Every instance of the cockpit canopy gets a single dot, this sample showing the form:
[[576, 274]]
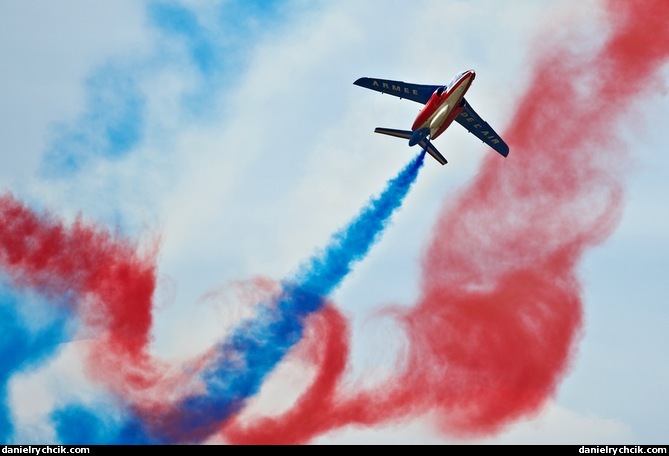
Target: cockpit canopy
[[457, 77]]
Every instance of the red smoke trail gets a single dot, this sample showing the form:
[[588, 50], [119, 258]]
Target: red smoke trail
[[110, 288], [500, 311], [109, 284], [42, 253], [326, 340]]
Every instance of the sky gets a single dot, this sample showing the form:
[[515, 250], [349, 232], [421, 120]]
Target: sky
[[213, 149]]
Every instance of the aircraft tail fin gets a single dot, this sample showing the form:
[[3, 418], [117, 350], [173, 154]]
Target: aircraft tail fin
[[426, 144]]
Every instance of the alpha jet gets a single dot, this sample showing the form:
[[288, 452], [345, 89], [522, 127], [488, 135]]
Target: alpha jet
[[443, 105]]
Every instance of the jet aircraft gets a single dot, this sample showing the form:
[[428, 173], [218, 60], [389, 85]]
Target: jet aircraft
[[443, 105]]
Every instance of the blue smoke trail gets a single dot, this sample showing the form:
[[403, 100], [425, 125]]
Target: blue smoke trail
[[76, 424], [116, 118], [256, 347], [20, 348], [113, 124], [246, 358]]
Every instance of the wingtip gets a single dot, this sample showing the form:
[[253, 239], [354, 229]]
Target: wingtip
[[502, 149]]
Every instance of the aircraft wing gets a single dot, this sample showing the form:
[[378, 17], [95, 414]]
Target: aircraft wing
[[414, 92], [481, 129]]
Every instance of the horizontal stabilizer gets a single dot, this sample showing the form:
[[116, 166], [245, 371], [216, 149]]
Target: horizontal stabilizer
[[406, 134]]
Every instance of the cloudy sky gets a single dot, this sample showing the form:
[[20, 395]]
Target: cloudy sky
[[230, 133]]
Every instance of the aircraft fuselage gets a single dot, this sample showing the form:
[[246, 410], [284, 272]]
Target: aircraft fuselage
[[444, 106]]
